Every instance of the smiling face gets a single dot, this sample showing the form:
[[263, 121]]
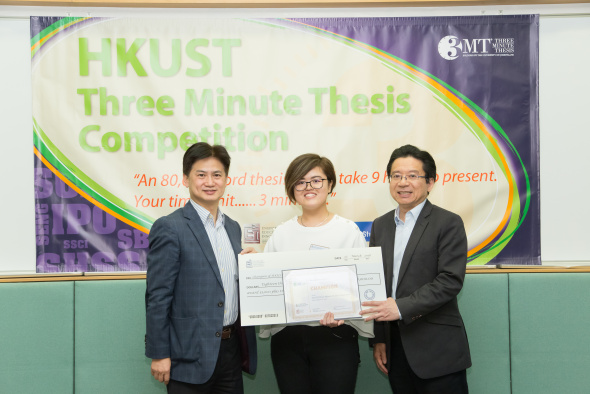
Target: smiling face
[[311, 198], [409, 194], [206, 183]]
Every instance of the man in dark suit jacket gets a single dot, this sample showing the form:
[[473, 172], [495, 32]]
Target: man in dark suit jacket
[[193, 333], [420, 340]]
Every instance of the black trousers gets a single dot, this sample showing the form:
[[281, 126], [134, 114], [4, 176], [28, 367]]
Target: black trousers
[[404, 381], [315, 359], [226, 378]]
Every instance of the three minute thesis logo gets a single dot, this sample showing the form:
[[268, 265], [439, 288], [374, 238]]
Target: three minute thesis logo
[[452, 47]]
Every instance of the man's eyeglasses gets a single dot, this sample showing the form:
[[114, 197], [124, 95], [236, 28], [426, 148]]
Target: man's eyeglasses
[[316, 183], [410, 178]]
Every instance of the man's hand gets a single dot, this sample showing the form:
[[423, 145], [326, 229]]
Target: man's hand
[[381, 311], [380, 356], [161, 369], [329, 321]]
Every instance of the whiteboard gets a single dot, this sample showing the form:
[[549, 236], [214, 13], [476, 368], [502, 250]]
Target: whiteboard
[[564, 136]]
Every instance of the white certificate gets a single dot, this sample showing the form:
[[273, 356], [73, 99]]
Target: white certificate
[[293, 287], [311, 292]]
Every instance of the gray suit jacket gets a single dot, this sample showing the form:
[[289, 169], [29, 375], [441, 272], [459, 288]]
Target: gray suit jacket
[[431, 275], [185, 297]]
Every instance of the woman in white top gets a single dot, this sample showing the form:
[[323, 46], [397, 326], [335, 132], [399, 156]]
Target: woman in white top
[[320, 357]]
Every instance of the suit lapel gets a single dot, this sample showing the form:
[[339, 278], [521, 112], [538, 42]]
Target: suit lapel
[[387, 252], [198, 229], [414, 240], [234, 236]]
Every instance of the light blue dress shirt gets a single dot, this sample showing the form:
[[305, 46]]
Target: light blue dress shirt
[[226, 260]]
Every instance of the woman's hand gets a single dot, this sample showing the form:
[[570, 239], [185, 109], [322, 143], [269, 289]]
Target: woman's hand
[[329, 321], [248, 250]]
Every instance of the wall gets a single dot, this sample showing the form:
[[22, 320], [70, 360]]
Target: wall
[[564, 35], [526, 332]]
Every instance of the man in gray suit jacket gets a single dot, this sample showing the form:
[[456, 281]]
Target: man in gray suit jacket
[[420, 340], [193, 333]]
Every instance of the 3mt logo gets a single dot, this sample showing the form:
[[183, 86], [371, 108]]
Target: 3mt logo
[[449, 47]]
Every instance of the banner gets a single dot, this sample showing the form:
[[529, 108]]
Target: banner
[[117, 101]]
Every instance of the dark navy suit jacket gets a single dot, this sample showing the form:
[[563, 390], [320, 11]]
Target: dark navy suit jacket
[[185, 297]]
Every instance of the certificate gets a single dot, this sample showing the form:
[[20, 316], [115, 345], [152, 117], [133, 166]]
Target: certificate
[[301, 286], [310, 293]]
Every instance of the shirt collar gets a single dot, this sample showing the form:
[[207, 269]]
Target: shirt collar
[[205, 215], [414, 212]]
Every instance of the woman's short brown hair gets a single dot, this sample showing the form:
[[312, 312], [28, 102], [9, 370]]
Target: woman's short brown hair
[[303, 164]]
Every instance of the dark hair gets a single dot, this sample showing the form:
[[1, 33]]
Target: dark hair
[[303, 164], [202, 150], [428, 164]]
